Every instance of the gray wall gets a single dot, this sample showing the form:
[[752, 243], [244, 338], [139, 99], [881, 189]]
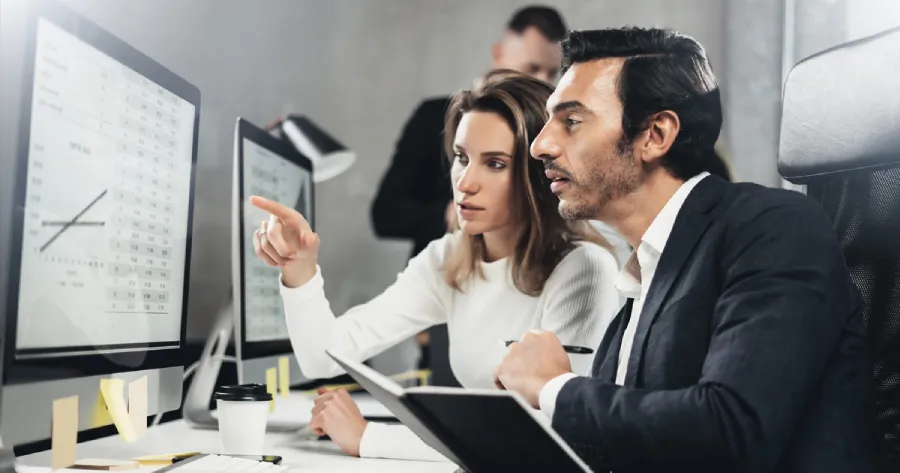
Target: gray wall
[[357, 67], [751, 92]]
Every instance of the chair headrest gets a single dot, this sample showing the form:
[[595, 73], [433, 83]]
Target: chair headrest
[[841, 110]]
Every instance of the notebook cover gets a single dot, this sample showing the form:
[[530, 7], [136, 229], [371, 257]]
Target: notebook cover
[[492, 430], [393, 397]]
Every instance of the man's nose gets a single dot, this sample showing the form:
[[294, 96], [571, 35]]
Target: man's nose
[[545, 145]]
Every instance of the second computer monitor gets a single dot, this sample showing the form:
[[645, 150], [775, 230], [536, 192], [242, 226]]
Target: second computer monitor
[[270, 168]]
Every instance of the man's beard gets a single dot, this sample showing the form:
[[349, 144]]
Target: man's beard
[[598, 186]]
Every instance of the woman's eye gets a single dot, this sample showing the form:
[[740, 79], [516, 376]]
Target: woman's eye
[[461, 158], [497, 165]]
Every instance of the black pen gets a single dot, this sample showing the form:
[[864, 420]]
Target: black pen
[[567, 348]]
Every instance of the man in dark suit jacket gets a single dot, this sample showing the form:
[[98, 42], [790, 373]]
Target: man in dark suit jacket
[[741, 346]]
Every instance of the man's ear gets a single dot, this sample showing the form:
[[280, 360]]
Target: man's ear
[[662, 128], [496, 53]]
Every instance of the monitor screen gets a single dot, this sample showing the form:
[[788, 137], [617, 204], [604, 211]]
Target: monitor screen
[[107, 203], [275, 177]]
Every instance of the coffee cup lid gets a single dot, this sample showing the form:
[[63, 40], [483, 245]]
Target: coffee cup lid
[[243, 392]]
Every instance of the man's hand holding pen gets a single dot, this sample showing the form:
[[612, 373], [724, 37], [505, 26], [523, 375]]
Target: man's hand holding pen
[[531, 363]]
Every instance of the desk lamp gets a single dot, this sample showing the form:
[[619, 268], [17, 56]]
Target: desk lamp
[[330, 158]]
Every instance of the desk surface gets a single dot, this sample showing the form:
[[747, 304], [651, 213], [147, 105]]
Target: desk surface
[[296, 450]]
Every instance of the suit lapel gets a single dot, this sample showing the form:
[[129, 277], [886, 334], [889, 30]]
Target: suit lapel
[[605, 367], [690, 225]]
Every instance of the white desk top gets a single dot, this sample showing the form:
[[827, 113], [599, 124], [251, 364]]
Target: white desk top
[[296, 451]]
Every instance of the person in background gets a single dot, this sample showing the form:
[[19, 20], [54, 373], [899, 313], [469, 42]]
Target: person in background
[[742, 345], [515, 265], [413, 201]]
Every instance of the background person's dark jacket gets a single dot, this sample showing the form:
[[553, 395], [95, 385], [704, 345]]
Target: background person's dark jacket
[[415, 191]]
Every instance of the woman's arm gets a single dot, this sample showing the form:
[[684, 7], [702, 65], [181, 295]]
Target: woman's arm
[[580, 300], [395, 441], [417, 299], [336, 414]]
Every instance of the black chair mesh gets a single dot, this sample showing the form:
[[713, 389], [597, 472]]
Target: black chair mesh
[[865, 209]]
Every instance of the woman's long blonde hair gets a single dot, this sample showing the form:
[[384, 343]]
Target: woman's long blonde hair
[[544, 237]]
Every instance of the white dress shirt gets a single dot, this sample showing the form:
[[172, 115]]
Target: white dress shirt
[[633, 282]]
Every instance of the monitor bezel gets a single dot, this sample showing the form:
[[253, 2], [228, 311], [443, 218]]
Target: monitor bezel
[[246, 130], [62, 367]]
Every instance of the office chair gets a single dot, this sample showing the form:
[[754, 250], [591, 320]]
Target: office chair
[[840, 136]]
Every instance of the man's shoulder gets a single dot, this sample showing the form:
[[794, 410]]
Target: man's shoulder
[[434, 106], [748, 203], [776, 221], [441, 101], [428, 116]]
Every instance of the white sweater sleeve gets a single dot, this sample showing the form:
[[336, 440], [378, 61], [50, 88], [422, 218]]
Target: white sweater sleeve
[[580, 300], [417, 300], [395, 441]]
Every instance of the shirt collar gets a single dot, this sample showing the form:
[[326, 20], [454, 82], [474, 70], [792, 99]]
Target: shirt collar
[[657, 234], [645, 257], [628, 281]]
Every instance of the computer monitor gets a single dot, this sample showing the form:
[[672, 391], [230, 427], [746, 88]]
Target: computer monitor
[[271, 168], [101, 227]]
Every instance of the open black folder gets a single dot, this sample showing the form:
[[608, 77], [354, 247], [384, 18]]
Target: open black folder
[[479, 430]]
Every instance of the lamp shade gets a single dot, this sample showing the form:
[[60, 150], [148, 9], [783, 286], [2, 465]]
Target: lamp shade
[[329, 157]]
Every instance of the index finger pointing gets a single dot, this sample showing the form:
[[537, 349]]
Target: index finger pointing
[[281, 211]]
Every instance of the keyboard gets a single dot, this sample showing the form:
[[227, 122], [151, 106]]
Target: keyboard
[[208, 463]]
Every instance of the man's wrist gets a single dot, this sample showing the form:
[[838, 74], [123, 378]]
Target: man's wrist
[[550, 391]]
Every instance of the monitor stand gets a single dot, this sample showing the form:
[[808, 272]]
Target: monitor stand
[[7, 460], [196, 410]]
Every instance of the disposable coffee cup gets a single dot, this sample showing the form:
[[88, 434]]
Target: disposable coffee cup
[[243, 411]]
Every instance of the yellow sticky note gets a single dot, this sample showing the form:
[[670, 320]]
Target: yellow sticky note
[[271, 386], [284, 375], [100, 416], [63, 432], [137, 405], [113, 391]]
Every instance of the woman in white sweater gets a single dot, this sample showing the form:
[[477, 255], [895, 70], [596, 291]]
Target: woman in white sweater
[[514, 265]]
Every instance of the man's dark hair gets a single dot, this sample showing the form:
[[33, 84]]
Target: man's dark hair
[[546, 19], [663, 70]]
